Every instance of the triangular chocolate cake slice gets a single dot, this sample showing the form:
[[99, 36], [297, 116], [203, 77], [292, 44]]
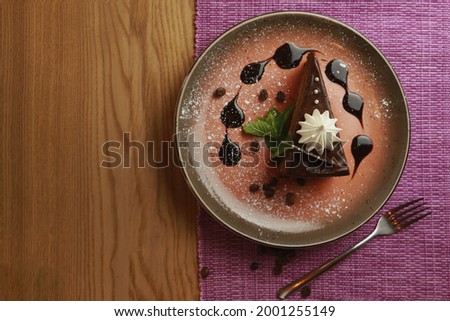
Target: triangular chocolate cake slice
[[304, 161]]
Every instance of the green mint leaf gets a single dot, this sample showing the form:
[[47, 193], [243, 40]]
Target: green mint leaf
[[259, 128], [274, 127], [263, 125], [271, 115], [282, 121]]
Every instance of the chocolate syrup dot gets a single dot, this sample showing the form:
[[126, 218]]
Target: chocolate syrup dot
[[361, 147], [337, 71], [286, 56], [232, 116], [229, 153], [252, 73], [289, 55], [353, 103]]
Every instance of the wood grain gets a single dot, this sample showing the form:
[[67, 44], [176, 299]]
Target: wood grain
[[74, 75]]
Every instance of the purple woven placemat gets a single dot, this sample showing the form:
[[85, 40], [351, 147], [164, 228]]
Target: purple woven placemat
[[414, 37]]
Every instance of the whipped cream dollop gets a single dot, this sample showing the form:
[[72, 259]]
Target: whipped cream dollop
[[318, 131]]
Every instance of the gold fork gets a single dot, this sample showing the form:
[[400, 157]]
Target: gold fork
[[391, 222]]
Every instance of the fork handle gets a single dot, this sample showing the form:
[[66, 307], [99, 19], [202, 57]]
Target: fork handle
[[294, 286]]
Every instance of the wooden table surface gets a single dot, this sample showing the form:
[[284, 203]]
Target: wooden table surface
[[74, 75]]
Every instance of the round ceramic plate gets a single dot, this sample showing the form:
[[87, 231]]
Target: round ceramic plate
[[324, 209]]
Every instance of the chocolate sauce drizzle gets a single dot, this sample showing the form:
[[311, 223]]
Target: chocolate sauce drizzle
[[286, 56], [361, 147], [337, 71], [289, 56], [229, 152], [232, 116], [252, 73]]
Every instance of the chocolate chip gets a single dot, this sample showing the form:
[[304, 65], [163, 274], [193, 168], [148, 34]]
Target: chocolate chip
[[289, 199], [204, 272], [301, 181], [219, 92], [273, 181], [254, 188], [266, 187], [281, 96], [254, 146], [263, 249], [277, 270], [254, 266], [263, 95], [305, 291], [269, 192]]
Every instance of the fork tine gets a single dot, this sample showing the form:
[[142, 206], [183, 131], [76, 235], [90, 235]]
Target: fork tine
[[407, 210], [408, 223], [402, 217], [400, 207]]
